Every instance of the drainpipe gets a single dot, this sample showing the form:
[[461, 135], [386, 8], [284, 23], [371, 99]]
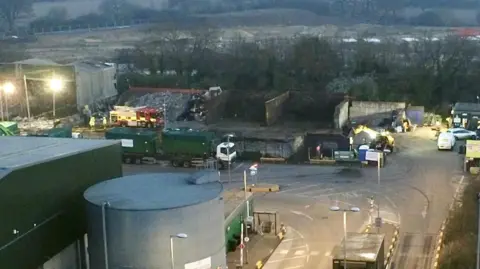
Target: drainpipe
[[104, 229]]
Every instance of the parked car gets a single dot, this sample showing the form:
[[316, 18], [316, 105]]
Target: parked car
[[446, 141], [462, 134]]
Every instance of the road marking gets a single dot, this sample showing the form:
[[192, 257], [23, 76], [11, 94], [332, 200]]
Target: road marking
[[299, 252], [302, 214], [286, 259], [306, 245], [297, 247], [314, 253], [308, 251], [327, 253], [284, 251], [299, 188], [294, 267], [238, 166], [291, 239], [316, 192]]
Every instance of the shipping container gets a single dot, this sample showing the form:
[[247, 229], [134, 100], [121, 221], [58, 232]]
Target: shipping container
[[136, 142], [416, 114], [12, 126], [59, 132], [192, 142], [329, 142], [42, 182]]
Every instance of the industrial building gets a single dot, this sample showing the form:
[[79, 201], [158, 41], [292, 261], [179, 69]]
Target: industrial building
[[85, 83], [462, 113], [141, 221], [41, 185]]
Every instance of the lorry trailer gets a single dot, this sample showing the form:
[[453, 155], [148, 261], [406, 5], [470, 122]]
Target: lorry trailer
[[181, 146]]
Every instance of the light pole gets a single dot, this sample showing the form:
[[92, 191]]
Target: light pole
[[172, 257], [8, 88], [345, 211], [55, 85]]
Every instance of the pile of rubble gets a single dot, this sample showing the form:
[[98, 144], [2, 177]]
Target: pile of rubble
[[42, 123], [179, 106]]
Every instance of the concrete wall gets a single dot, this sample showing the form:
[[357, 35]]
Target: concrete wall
[[216, 108], [341, 115], [274, 108], [373, 112]]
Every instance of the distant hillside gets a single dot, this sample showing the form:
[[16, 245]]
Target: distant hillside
[[269, 17]]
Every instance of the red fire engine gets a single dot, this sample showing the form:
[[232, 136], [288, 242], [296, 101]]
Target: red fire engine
[[146, 117]]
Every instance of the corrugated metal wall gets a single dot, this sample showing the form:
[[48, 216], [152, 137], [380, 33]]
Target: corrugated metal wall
[[94, 85]]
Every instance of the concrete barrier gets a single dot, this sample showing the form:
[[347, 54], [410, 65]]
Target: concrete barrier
[[263, 188], [272, 160], [322, 162], [391, 248]]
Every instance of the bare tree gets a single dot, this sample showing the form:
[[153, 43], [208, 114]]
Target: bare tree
[[10, 10]]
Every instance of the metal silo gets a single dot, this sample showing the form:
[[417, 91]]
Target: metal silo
[[135, 220]]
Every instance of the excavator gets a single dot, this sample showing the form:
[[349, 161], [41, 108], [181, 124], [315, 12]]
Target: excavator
[[379, 140]]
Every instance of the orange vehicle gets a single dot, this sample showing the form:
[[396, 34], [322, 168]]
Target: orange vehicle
[[145, 117]]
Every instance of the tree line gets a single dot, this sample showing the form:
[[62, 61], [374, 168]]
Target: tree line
[[113, 12], [429, 72]]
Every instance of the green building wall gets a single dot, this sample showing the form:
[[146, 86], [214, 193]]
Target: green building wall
[[44, 202], [234, 227]]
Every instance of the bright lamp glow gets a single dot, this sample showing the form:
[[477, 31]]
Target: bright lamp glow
[[181, 235], [8, 87], [56, 84]]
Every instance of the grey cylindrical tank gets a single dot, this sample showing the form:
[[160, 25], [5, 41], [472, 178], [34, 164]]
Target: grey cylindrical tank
[[143, 211]]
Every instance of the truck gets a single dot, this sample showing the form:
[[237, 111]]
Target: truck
[[183, 147], [145, 117]]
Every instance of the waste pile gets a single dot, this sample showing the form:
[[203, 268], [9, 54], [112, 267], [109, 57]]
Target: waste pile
[[42, 123], [194, 110], [174, 103], [179, 106]]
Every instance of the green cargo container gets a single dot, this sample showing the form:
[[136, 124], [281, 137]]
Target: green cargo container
[[136, 141], [187, 142], [59, 132], [41, 194], [12, 126], [5, 132]]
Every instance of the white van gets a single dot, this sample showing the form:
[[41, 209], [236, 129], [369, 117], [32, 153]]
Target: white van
[[446, 141]]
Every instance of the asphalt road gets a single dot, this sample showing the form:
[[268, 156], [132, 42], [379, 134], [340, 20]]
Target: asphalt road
[[415, 191]]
